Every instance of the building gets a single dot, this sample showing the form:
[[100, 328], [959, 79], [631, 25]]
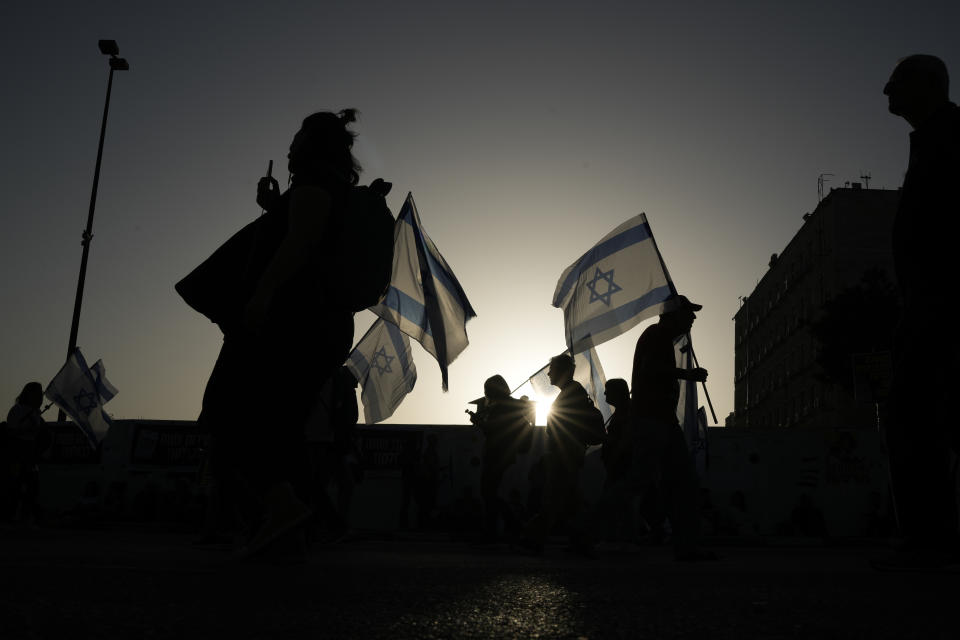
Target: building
[[776, 378]]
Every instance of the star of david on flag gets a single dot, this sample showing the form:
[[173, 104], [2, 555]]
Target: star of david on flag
[[86, 401], [81, 392], [609, 289], [386, 379], [640, 291], [425, 299], [381, 361]]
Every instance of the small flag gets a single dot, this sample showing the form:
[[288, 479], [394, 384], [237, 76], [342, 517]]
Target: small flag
[[613, 286], [588, 372], [81, 392], [425, 299], [382, 362]]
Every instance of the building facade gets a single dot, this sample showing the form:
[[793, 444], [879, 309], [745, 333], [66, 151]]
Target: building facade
[[777, 381]]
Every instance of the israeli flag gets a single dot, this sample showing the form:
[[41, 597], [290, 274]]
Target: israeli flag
[[382, 362], [425, 299], [613, 286], [81, 392], [588, 372]]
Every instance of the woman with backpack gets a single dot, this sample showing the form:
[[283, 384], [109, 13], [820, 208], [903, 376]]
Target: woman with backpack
[[277, 291]]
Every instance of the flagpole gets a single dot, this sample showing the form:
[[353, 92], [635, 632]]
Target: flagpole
[[704, 383]]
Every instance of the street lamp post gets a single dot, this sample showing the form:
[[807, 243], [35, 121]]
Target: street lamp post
[[107, 48]]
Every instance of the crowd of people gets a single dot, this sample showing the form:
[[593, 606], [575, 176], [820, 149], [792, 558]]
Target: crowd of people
[[275, 291], [644, 452]]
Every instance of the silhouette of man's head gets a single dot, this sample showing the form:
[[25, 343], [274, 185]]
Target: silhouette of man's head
[[32, 395], [560, 371], [616, 392], [679, 318], [323, 146], [918, 86], [496, 388]]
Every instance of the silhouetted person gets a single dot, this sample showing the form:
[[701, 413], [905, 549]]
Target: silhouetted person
[[346, 470], [617, 451], [660, 450], [26, 439], [333, 459], [288, 325], [921, 429], [506, 425], [564, 456], [536, 479]]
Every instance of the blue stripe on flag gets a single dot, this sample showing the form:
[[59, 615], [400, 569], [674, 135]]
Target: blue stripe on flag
[[437, 270], [396, 338], [408, 308], [621, 314], [603, 250], [360, 362]]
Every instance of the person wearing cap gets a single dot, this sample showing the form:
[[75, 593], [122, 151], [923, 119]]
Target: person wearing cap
[[918, 428], [660, 458], [660, 450]]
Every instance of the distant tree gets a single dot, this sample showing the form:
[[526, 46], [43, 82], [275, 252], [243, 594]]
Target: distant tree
[[860, 319]]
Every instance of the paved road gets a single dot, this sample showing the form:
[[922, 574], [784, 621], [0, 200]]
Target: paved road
[[151, 585]]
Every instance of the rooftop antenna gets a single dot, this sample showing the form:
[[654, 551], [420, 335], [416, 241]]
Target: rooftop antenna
[[820, 180], [866, 179]]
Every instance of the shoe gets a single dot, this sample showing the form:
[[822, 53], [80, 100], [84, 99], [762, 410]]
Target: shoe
[[284, 512]]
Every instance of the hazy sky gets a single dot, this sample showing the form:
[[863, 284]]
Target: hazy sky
[[526, 132]]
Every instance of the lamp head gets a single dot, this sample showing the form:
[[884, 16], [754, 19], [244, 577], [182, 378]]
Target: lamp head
[[109, 47]]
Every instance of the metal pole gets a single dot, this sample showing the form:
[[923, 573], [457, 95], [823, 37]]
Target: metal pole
[[88, 234]]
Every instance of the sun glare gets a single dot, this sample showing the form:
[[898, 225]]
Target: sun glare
[[543, 408]]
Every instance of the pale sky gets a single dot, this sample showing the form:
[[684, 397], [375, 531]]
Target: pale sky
[[525, 133]]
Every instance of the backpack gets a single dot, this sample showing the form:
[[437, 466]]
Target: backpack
[[365, 250], [220, 286], [588, 427]]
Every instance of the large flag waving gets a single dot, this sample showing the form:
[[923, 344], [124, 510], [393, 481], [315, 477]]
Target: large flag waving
[[425, 299], [81, 392], [383, 364], [613, 286], [587, 372]]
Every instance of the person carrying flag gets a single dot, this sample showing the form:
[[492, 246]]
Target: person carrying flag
[[567, 424], [660, 449]]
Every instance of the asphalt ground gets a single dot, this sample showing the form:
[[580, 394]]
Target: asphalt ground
[[128, 583]]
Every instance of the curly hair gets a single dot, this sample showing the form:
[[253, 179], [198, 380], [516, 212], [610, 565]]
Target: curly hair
[[324, 142]]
